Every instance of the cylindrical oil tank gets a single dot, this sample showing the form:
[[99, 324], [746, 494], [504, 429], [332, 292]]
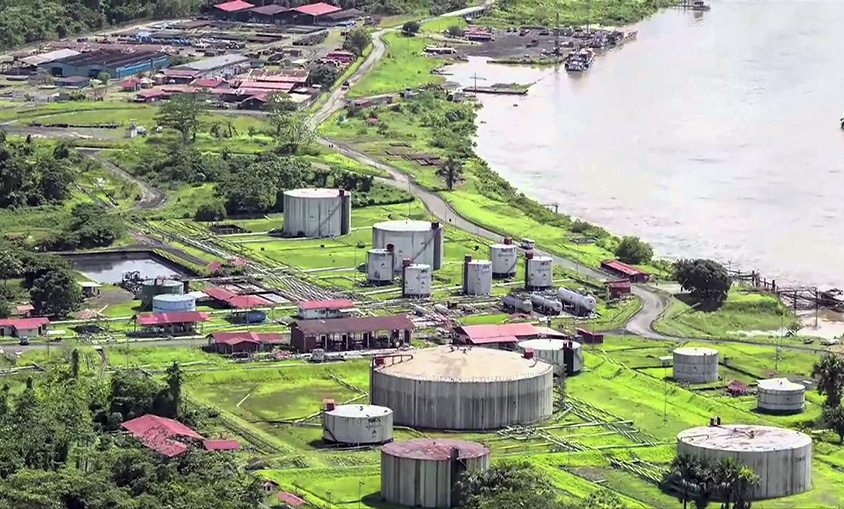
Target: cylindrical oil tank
[[418, 241], [379, 266], [159, 286], [582, 304], [463, 388], [317, 213], [546, 305], [173, 303], [539, 272], [565, 355], [517, 303], [695, 365], [357, 424], [780, 396], [503, 258], [477, 277], [424, 472], [416, 280], [782, 458]]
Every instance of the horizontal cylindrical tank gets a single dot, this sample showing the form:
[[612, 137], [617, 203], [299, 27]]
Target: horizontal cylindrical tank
[[424, 472], [546, 305], [539, 272], [357, 424], [582, 304], [782, 458], [565, 355], [418, 241], [379, 266], [317, 213], [503, 258], [477, 277], [695, 365], [517, 304], [416, 280], [780, 396], [159, 286], [463, 388], [173, 303]]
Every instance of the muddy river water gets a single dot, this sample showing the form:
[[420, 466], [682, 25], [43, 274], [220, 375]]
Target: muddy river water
[[712, 134]]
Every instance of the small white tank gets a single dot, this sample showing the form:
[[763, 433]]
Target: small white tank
[[503, 258], [539, 272], [167, 303], [582, 304], [477, 277], [780, 396], [357, 424], [695, 365], [379, 266], [416, 280]]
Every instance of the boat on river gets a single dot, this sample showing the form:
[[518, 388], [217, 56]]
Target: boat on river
[[579, 61], [699, 5]]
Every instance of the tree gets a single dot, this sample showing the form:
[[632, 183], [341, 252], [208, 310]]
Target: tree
[[294, 132], [633, 250], [5, 308], [324, 75], [478, 488], [451, 172], [214, 211], [174, 377], [89, 226], [56, 294], [183, 113], [455, 31], [687, 478], [734, 483], [10, 265], [829, 372], [357, 40], [705, 279], [411, 28], [104, 77], [833, 418]]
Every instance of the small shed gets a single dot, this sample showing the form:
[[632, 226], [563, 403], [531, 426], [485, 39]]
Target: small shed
[[90, 288], [736, 388], [626, 271], [131, 85], [620, 288]]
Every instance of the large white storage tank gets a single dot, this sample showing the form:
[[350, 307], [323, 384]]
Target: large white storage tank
[[424, 472], [503, 258], [317, 213], [379, 266], [418, 241], [565, 355], [580, 304], [477, 276], [782, 458], [173, 303], [780, 396], [696, 365], [357, 424], [416, 279], [539, 272]]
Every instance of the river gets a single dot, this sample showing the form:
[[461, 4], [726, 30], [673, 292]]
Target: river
[[711, 135]]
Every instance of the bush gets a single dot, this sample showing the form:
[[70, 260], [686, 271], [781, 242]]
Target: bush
[[633, 250], [704, 279], [210, 212], [410, 28], [455, 31]]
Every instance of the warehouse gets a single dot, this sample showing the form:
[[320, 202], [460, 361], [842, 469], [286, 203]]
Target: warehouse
[[271, 13], [504, 336], [346, 16], [628, 272], [222, 66], [236, 10], [244, 306], [117, 64], [249, 342], [342, 334], [32, 62], [313, 14]]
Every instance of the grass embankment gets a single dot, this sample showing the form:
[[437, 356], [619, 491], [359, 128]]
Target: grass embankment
[[404, 66], [572, 12], [744, 314]]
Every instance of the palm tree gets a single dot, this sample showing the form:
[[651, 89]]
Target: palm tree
[[734, 483], [687, 477]]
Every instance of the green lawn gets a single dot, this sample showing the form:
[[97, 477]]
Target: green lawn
[[572, 12], [403, 66]]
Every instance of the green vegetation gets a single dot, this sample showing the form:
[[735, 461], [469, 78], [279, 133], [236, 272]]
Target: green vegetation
[[572, 12], [633, 250], [404, 66], [706, 280]]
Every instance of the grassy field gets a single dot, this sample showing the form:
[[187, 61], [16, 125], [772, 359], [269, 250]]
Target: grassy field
[[404, 66], [572, 12], [438, 25]]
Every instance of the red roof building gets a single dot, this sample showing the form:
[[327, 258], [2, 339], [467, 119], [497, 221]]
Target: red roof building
[[502, 336], [267, 86], [316, 309], [171, 438], [290, 500], [588, 337], [236, 301], [620, 288], [151, 95], [23, 310], [24, 327], [179, 322], [234, 6], [343, 334], [244, 341], [131, 85], [317, 9], [206, 83], [627, 271], [221, 445]]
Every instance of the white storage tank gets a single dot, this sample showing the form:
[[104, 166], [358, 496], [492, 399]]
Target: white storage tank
[[503, 258], [477, 276], [696, 365], [418, 241], [565, 355], [780, 396], [159, 286], [546, 305], [424, 472], [317, 213], [782, 458], [173, 303], [539, 272], [581, 304], [379, 266], [517, 304], [416, 279], [357, 424]]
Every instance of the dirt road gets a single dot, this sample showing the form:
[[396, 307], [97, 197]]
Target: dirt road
[[151, 197]]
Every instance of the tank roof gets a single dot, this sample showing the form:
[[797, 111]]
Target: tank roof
[[404, 225], [695, 350], [315, 193], [780, 385], [435, 449], [480, 262], [175, 297], [419, 266], [466, 364], [743, 438], [547, 344], [162, 282], [539, 258], [503, 246], [362, 411]]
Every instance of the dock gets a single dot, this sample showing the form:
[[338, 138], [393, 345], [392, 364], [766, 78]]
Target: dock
[[496, 90]]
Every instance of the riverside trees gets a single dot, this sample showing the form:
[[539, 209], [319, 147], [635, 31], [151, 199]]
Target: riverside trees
[[829, 372]]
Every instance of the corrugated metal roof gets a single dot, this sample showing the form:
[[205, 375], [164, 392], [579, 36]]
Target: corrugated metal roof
[[221, 445], [160, 434], [363, 324], [235, 337], [43, 58], [24, 323], [234, 6], [172, 318], [310, 305], [505, 333], [317, 9], [621, 267], [270, 10], [211, 63]]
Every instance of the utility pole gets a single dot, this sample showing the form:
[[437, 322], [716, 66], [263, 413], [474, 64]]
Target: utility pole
[[557, 28], [475, 77]]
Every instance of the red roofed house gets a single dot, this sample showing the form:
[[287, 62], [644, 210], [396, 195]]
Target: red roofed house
[[343, 334], [206, 83], [322, 309], [340, 57], [504, 336], [627, 271], [312, 13], [618, 289], [180, 322], [244, 304], [236, 10], [243, 341], [291, 501], [171, 438], [151, 95], [131, 85], [24, 327]]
